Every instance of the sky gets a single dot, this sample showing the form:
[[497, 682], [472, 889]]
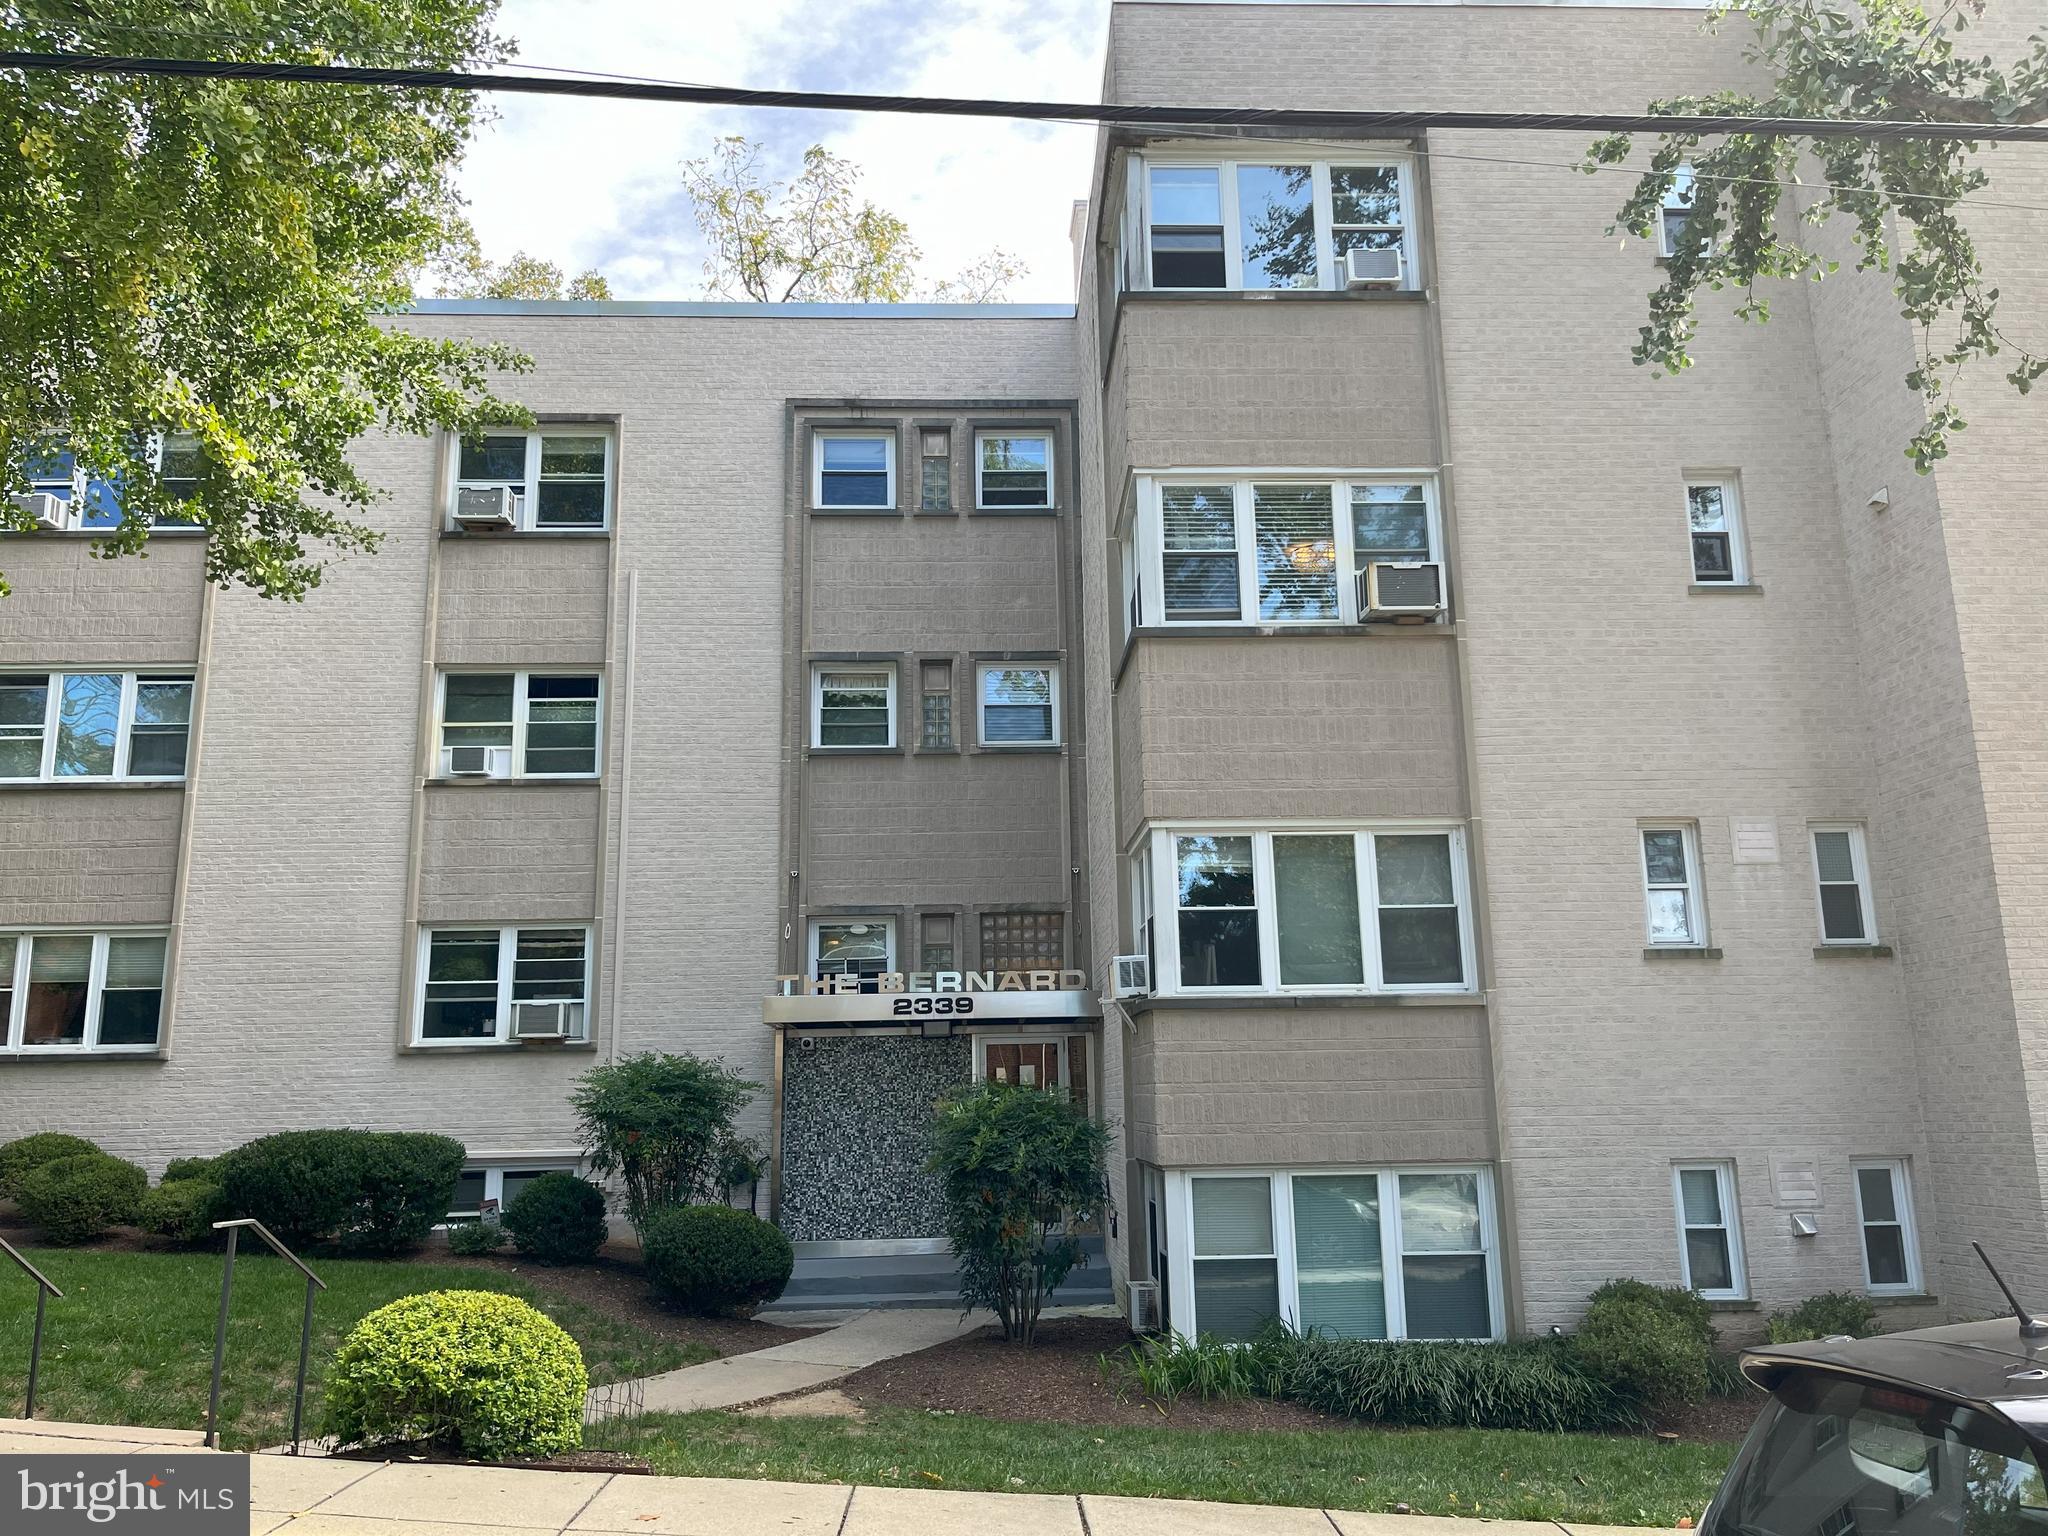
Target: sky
[[586, 183]]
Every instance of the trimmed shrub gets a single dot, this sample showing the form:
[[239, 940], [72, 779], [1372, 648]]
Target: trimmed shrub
[[1539, 1384], [471, 1371], [180, 1169], [714, 1258], [1653, 1345], [471, 1239], [183, 1210], [79, 1197], [372, 1192], [662, 1124], [558, 1219], [20, 1158], [1822, 1316]]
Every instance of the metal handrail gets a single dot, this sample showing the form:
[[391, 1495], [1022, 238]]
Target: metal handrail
[[44, 1291], [220, 1328]]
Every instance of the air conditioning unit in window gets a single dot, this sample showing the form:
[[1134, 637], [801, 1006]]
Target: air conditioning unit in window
[[477, 762], [1406, 591], [1372, 269], [547, 1019], [1133, 976], [481, 508], [1144, 1306], [51, 513]]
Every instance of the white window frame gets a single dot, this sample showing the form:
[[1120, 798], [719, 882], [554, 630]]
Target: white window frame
[[1319, 161], [508, 954], [1677, 199], [1731, 1224], [528, 487], [1902, 1203], [494, 1180], [1729, 484], [15, 1019], [520, 722], [819, 669], [1859, 857], [1162, 853], [1144, 915], [1695, 903], [981, 671], [842, 919], [1148, 564], [819, 436], [1045, 436], [1180, 1246], [53, 708]]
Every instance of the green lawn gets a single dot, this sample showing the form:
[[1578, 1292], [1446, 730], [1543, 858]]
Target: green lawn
[[1503, 1474], [132, 1340]]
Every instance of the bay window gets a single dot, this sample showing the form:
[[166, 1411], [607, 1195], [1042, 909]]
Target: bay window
[[533, 725], [1283, 219], [482, 986], [81, 992], [1313, 909], [1387, 1253], [1272, 549], [58, 727]]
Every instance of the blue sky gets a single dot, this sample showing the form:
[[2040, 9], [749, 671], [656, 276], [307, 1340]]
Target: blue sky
[[595, 183]]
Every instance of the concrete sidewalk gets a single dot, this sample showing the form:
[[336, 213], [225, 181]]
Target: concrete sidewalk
[[316, 1496]]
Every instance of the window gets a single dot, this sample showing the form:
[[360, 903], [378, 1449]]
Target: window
[[1671, 891], [64, 726], [1023, 941], [1315, 909], [1709, 1241], [1884, 1212], [1674, 216], [853, 946], [479, 1189], [853, 706], [936, 703], [936, 950], [81, 991], [1272, 550], [561, 476], [1353, 1254], [854, 470], [1020, 706], [936, 484], [1012, 469], [1841, 869], [1714, 513], [486, 985], [1141, 911], [1280, 222], [545, 723]]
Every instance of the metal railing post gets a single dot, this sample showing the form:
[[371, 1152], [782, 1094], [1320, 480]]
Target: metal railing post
[[314, 1284], [305, 1352], [44, 1291], [220, 1341]]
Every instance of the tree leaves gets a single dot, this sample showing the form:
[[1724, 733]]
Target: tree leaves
[[1887, 61]]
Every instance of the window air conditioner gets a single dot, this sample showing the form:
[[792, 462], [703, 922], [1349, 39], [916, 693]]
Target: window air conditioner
[[478, 762], [1372, 269], [51, 513], [481, 508], [1408, 591], [1144, 1306], [1133, 976], [547, 1019]]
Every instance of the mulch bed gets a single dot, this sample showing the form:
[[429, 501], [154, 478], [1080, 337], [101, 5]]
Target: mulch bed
[[1057, 1380], [1716, 1419], [561, 1461]]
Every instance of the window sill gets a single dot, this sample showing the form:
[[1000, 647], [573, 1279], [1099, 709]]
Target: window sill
[[856, 511], [1895, 1299], [1735, 1304], [1856, 951], [1015, 512], [1680, 952], [75, 1053], [515, 534], [946, 512], [1745, 588], [83, 782], [1020, 749], [1272, 295], [854, 751], [482, 781], [1267, 1001], [538, 1047]]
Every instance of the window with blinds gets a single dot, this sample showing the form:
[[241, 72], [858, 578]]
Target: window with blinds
[[1295, 527], [1020, 706], [80, 991], [1023, 941], [853, 707], [1198, 535]]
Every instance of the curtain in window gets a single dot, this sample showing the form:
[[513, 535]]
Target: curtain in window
[[1338, 1267], [1297, 546], [131, 1004], [1237, 1275]]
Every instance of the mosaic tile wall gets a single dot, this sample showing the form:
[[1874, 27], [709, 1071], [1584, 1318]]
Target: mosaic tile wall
[[855, 1117]]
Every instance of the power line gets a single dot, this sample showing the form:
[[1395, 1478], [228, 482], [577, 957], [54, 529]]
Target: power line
[[1383, 123]]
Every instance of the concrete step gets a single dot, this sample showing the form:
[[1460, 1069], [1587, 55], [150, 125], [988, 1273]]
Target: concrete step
[[832, 1282]]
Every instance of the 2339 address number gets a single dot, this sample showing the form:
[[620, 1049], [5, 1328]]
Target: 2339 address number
[[904, 1005]]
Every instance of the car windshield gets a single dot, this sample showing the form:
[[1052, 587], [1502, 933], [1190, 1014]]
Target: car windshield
[[1832, 1456]]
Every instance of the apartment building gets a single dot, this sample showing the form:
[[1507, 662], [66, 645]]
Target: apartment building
[[1476, 820]]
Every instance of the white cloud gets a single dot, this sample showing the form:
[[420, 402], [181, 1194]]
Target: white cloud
[[591, 182]]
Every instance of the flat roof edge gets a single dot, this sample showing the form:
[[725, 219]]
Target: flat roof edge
[[724, 310]]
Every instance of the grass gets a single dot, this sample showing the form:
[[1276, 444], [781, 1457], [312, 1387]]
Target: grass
[[132, 1340], [1499, 1474]]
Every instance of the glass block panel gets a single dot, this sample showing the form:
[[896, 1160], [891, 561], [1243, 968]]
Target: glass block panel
[[1023, 941]]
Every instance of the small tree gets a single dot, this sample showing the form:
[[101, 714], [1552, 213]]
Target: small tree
[[1020, 1167], [663, 1125]]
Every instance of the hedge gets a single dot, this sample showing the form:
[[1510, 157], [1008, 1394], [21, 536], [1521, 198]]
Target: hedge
[[371, 1192]]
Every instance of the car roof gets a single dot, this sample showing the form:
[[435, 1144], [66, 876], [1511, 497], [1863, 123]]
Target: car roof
[[1988, 1363]]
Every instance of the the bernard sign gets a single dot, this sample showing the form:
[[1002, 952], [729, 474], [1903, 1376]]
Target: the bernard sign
[[932, 982], [931, 998]]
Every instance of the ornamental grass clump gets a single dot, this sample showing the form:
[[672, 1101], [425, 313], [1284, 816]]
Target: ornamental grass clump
[[474, 1372]]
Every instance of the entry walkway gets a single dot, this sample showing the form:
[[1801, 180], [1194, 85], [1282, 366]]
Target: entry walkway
[[316, 1496]]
